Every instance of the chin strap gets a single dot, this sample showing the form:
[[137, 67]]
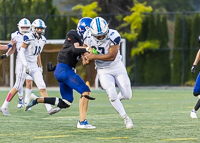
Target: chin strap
[[88, 97]]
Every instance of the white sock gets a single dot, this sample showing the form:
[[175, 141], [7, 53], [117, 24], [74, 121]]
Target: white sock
[[117, 104], [5, 104], [48, 107], [20, 93], [27, 95]]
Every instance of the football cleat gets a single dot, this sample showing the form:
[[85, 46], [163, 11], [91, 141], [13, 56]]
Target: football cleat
[[53, 111], [193, 114], [20, 103], [32, 101], [29, 109], [5, 111], [84, 125], [25, 104], [128, 122]]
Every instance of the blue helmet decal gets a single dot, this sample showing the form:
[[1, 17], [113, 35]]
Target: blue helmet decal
[[25, 22], [40, 24]]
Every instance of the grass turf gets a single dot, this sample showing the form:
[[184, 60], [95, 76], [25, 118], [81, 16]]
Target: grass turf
[[158, 116]]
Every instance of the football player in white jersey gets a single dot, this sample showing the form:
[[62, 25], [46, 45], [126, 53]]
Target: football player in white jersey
[[33, 43], [110, 69], [24, 26]]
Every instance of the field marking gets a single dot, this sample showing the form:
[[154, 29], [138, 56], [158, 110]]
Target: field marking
[[180, 139], [111, 138], [45, 137], [156, 127], [66, 132], [66, 117]]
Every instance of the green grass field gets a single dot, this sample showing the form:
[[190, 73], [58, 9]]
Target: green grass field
[[158, 116]]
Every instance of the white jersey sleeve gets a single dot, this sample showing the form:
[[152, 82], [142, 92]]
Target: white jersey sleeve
[[18, 38], [86, 37], [27, 38], [115, 37]]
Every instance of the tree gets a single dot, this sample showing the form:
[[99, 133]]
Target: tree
[[187, 50], [19, 9], [176, 62], [194, 44], [87, 11]]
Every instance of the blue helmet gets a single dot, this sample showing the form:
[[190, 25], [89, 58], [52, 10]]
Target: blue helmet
[[84, 24]]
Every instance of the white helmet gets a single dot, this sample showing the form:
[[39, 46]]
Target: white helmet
[[38, 23], [99, 27], [24, 23]]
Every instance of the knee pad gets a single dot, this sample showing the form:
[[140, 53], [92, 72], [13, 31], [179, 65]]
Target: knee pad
[[17, 86], [195, 94], [112, 94], [128, 94], [62, 103], [88, 97]]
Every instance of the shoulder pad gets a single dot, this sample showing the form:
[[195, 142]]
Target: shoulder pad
[[43, 38], [87, 34], [28, 37], [115, 37], [14, 34], [72, 31]]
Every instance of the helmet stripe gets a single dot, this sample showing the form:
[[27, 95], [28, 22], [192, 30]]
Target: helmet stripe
[[40, 24], [25, 22], [98, 25]]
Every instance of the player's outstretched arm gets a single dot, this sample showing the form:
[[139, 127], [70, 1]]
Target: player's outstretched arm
[[195, 62], [11, 49], [39, 63], [85, 61], [106, 57]]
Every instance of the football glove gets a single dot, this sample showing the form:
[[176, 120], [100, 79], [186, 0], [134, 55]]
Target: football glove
[[193, 69], [50, 68], [3, 56], [41, 69]]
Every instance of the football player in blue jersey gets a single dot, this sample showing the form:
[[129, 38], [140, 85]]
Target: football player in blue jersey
[[68, 57], [196, 90], [29, 53], [110, 69]]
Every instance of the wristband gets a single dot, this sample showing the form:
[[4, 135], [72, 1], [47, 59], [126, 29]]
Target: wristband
[[87, 49], [9, 46], [94, 51]]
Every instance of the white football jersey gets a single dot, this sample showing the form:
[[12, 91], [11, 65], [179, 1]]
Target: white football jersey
[[18, 38], [35, 46], [113, 38]]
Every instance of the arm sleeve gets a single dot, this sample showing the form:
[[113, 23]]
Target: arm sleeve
[[22, 56], [78, 50], [73, 40]]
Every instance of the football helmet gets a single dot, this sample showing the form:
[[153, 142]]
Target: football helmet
[[83, 24], [22, 24], [38, 23], [99, 29]]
